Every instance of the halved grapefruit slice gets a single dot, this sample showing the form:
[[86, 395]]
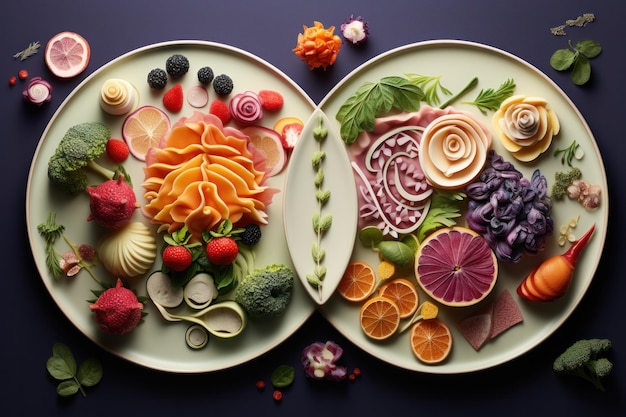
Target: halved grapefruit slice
[[67, 54], [456, 266]]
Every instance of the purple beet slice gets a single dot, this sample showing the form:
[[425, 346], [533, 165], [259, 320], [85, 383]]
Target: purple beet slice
[[456, 266]]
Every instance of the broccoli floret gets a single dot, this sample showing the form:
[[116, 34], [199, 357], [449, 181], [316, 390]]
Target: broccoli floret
[[562, 180], [81, 145], [266, 292], [584, 360]]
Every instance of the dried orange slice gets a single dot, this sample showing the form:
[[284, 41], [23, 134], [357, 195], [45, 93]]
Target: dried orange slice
[[431, 341], [143, 129], [403, 293], [358, 281], [379, 318]]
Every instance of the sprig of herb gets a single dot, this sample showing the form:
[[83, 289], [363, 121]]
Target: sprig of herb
[[490, 99], [444, 208], [568, 154], [470, 86], [371, 99], [321, 223], [577, 58], [51, 231], [62, 366], [31, 50], [431, 86]]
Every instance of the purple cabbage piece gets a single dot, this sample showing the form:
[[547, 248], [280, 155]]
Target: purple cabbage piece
[[511, 212]]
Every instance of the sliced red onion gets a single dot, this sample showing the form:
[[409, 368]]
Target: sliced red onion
[[246, 107], [319, 361], [38, 91]]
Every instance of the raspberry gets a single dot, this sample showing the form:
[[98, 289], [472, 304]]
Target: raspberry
[[271, 101], [157, 79], [221, 110], [205, 75], [177, 65], [223, 85]]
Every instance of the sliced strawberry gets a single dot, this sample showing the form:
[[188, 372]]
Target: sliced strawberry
[[271, 100], [221, 110], [290, 135], [117, 150], [173, 99]]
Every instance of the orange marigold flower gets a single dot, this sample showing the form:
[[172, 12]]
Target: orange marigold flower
[[318, 46]]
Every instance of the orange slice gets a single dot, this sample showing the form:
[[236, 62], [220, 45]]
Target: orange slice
[[431, 341], [143, 129], [358, 281], [379, 318], [402, 292], [268, 142], [67, 54]]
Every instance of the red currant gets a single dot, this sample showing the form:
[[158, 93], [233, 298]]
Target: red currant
[[12, 80], [23, 74]]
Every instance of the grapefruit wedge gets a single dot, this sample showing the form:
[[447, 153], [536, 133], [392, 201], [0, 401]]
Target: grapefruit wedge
[[67, 54]]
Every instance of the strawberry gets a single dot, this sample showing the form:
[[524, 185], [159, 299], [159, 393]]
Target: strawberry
[[117, 310], [117, 150], [222, 250], [177, 258], [221, 110], [290, 135], [173, 99], [271, 100]]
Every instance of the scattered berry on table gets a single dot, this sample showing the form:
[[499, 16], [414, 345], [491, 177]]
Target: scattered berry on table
[[260, 384], [222, 250], [177, 258], [221, 110], [173, 99], [205, 75], [12, 80], [117, 150], [177, 65], [223, 85], [271, 100], [251, 234], [22, 75], [278, 395], [157, 78]]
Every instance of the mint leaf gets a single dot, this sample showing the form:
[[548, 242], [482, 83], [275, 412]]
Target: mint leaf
[[589, 48], [62, 366], [562, 59], [89, 373], [577, 59], [68, 388], [370, 100], [283, 376]]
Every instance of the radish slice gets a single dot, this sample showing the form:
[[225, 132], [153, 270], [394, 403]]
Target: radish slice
[[198, 96]]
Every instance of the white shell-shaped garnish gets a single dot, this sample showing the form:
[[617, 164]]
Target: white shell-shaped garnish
[[118, 97], [129, 251]]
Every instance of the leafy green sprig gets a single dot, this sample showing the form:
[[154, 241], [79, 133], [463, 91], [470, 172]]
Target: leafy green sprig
[[490, 99], [576, 58], [321, 222], [51, 231], [62, 367], [431, 86], [568, 154], [359, 111]]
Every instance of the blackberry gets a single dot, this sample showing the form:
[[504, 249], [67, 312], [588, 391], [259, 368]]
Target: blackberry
[[205, 75], [157, 78], [251, 234], [223, 85], [177, 65]]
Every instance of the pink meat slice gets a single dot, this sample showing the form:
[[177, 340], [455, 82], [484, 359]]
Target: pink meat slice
[[506, 314], [476, 329]]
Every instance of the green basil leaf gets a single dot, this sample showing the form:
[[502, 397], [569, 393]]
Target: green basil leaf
[[89, 373], [581, 71], [283, 376], [562, 59], [589, 48]]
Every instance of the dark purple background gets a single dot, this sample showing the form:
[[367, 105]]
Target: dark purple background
[[31, 322]]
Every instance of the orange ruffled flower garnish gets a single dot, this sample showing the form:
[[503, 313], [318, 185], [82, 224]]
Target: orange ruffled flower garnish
[[318, 46]]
